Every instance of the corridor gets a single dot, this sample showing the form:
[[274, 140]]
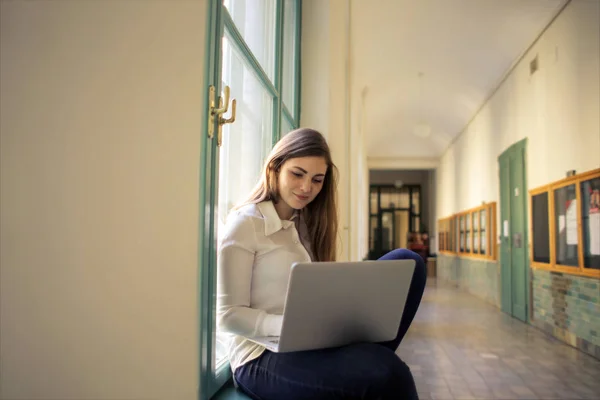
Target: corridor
[[460, 347]]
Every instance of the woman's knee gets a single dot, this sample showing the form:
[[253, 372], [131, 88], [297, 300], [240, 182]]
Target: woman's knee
[[395, 381], [406, 254], [378, 373], [402, 384]]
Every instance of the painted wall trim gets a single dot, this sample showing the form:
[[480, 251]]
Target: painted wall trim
[[402, 163]]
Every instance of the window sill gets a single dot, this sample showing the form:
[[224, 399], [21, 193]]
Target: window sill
[[229, 392], [586, 272], [474, 256]]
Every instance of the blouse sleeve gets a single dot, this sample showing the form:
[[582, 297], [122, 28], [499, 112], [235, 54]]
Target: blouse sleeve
[[234, 281]]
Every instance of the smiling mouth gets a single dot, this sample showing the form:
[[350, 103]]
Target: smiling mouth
[[303, 198]]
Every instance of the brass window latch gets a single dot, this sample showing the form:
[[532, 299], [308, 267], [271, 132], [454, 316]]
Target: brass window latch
[[213, 112]]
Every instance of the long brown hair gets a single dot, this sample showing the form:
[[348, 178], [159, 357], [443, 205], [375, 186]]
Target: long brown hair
[[321, 213]]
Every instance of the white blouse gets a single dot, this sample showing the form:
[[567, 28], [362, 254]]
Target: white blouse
[[254, 261]]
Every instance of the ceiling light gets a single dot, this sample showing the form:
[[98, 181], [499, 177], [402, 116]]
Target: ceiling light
[[422, 130]]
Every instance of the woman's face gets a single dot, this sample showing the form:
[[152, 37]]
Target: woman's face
[[300, 180]]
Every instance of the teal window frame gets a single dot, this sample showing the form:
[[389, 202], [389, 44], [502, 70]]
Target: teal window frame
[[212, 378]]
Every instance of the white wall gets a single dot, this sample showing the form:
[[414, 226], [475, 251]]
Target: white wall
[[326, 107], [315, 65], [100, 159], [359, 196], [557, 109]]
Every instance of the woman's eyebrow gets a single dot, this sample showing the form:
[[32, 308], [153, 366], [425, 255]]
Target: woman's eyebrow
[[305, 171], [301, 169]]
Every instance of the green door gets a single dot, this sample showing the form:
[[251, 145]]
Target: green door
[[513, 231], [505, 259]]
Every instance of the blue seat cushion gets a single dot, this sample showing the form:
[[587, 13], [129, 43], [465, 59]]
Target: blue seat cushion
[[229, 392]]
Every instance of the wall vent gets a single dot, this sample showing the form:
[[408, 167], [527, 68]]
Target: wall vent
[[533, 65]]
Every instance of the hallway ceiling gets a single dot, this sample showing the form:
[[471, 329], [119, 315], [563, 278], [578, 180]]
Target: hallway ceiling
[[463, 48]]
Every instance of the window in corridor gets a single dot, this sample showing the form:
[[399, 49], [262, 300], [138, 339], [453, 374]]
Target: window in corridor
[[566, 225], [469, 233]]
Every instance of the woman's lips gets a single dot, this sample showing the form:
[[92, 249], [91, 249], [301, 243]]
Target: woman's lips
[[302, 198]]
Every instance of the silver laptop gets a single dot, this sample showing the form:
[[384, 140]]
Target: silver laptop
[[331, 304]]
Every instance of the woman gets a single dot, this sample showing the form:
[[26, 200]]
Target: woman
[[291, 217]]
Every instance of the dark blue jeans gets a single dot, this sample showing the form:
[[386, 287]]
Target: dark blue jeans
[[360, 371]]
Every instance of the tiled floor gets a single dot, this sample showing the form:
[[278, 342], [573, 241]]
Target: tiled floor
[[460, 347]]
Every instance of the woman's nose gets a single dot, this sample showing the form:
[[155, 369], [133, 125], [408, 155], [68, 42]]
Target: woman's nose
[[306, 186]]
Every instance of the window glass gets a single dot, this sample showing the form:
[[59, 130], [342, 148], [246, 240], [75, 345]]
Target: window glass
[[289, 56], [590, 221], [482, 231], [540, 228], [255, 21], [246, 142], [286, 126], [565, 206], [475, 217], [468, 233]]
